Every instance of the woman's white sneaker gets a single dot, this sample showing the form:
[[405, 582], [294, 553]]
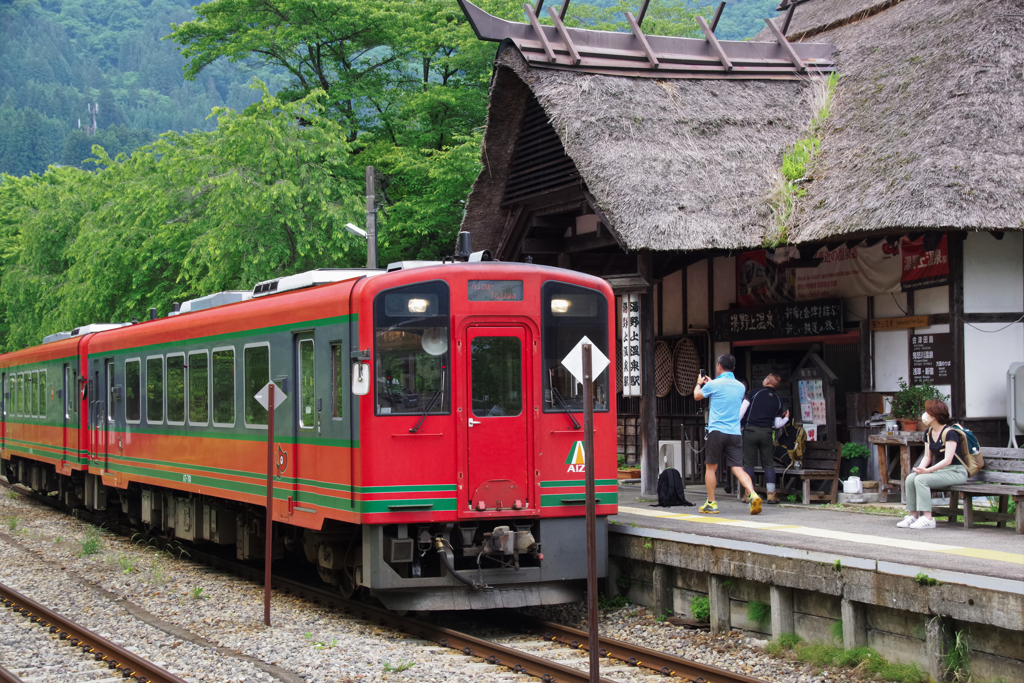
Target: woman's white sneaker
[[906, 521], [923, 522]]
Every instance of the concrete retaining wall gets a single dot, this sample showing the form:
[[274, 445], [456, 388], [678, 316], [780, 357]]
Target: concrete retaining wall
[[809, 593]]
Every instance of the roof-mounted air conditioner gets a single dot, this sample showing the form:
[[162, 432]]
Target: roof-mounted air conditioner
[[214, 300], [312, 278]]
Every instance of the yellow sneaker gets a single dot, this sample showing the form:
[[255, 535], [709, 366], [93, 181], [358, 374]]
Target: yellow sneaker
[[755, 504], [709, 507]]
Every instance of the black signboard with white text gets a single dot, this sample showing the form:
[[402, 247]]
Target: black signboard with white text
[[931, 359], [800, 319]]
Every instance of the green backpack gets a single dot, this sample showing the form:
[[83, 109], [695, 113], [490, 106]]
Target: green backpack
[[974, 461]]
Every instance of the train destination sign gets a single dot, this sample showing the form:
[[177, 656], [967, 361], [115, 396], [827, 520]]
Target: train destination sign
[[801, 319], [495, 290]]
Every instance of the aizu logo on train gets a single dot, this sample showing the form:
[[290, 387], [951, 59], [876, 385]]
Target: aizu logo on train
[[577, 459]]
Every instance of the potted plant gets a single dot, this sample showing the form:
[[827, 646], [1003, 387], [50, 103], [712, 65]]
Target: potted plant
[[908, 403], [627, 471], [855, 460]]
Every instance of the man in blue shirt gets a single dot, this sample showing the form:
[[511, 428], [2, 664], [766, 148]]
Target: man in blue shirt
[[724, 442]]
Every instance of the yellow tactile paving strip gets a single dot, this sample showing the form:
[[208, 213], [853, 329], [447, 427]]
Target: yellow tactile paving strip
[[906, 543]]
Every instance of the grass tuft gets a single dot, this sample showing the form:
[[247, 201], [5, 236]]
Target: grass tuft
[[700, 608], [837, 630], [92, 544], [760, 613]]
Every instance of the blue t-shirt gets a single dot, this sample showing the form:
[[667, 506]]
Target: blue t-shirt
[[726, 395]]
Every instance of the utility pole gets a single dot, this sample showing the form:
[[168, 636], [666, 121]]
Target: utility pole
[[371, 219]]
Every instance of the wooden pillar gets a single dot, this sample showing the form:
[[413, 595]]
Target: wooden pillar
[[684, 301], [648, 400], [958, 392], [711, 313]]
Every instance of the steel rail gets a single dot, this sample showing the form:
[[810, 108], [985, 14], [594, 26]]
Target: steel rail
[[635, 655], [494, 653], [7, 677], [127, 664]]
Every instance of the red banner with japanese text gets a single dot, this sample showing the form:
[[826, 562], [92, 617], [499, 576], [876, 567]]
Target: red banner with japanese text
[[925, 263]]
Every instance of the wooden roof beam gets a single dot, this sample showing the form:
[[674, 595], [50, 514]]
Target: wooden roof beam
[[561, 12], [786, 47], [718, 15], [573, 52], [540, 33], [635, 27], [709, 33], [643, 13]]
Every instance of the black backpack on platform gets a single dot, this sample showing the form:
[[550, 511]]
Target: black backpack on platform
[[670, 489]]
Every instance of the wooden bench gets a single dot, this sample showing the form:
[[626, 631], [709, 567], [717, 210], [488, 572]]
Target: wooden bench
[[1003, 478], [821, 463]]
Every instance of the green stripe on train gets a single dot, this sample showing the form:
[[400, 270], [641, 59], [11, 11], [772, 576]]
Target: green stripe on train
[[576, 482], [577, 499]]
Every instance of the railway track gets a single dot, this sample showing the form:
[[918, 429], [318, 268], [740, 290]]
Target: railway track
[[121, 662], [495, 653]]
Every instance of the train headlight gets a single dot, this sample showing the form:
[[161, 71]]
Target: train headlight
[[418, 305], [560, 305]]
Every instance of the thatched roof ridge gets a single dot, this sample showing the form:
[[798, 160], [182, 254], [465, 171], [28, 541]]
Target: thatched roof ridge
[[673, 165], [925, 131]]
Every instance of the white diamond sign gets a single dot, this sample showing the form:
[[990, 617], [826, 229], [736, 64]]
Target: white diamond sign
[[262, 396], [574, 361]]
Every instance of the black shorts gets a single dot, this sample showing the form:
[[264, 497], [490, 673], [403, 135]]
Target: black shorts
[[726, 448]]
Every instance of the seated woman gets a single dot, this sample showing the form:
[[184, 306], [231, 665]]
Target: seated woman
[[947, 449]]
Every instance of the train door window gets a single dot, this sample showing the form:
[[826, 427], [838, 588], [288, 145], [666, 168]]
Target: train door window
[[198, 388], [497, 364], [224, 387], [42, 393], [256, 369], [68, 384], [411, 337], [3, 389], [155, 389], [133, 391], [307, 386], [176, 389], [111, 398], [338, 387]]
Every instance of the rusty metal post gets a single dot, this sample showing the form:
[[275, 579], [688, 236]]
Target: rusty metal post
[[268, 548], [371, 218], [588, 458]]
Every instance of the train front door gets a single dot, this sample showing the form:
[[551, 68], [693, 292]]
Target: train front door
[[499, 410]]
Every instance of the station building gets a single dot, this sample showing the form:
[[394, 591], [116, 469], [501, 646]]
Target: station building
[[896, 255]]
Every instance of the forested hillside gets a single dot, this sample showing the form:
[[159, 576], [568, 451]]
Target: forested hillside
[[255, 192], [58, 56]]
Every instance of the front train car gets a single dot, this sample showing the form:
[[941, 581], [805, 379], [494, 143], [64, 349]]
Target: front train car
[[471, 461]]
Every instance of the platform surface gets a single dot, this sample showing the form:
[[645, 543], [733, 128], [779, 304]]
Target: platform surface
[[991, 552]]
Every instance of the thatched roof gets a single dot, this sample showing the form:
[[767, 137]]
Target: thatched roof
[[673, 165], [926, 130]]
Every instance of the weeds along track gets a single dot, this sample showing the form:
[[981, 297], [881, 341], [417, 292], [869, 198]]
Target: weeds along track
[[527, 646]]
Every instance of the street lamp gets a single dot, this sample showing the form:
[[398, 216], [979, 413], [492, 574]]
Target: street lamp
[[355, 230]]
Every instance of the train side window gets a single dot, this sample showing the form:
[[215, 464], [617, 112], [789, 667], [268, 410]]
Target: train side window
[[42, 393], [199, 388], [19, 402], [307, 385], [176, 389], [256, 368], [224, 387], [155, 389], [133, 391], [33, 395], [338, 387]]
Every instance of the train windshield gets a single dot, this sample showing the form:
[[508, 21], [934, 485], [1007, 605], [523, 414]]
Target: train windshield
[[568, 313], [411, 336]]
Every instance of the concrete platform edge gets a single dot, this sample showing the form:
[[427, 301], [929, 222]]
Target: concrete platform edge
[[944, 576]]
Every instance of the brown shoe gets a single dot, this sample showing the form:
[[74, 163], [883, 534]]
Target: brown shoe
[[745, 499], [772, 499]]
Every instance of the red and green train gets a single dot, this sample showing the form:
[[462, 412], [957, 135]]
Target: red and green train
[[429, 448]]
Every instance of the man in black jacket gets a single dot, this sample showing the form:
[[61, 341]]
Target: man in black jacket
[[764, 414]]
